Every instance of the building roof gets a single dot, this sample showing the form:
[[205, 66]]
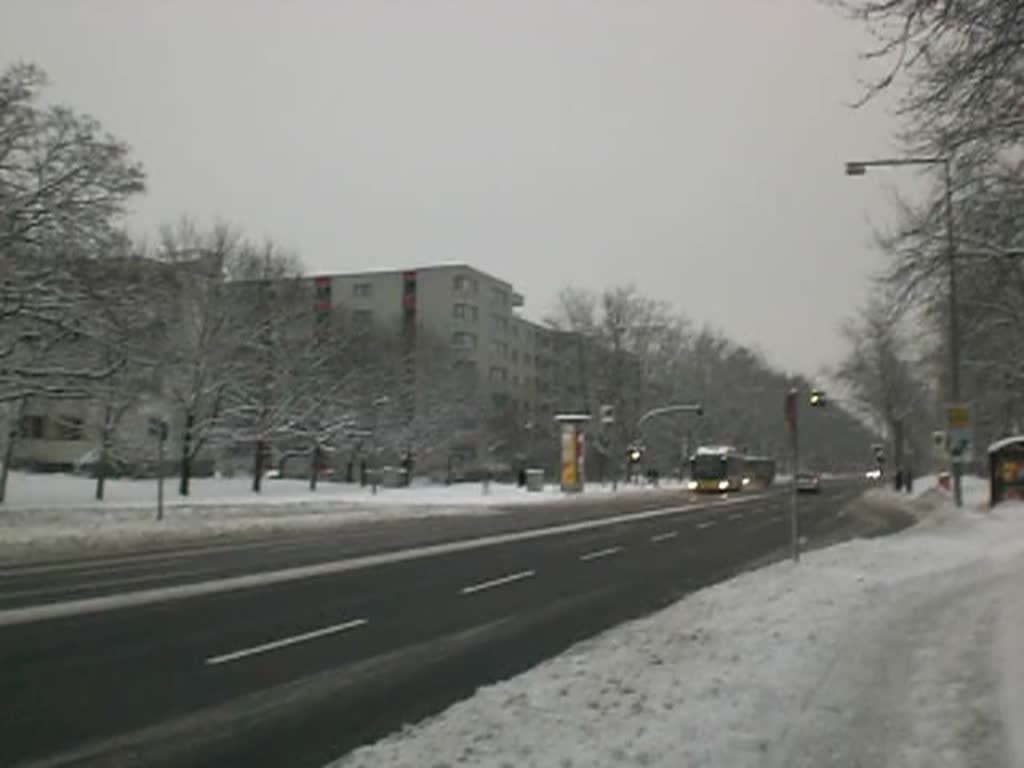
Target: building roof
[[998, 445], [447, 265], [715, 450]]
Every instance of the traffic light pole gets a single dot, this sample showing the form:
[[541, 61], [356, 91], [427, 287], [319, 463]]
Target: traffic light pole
[[794, 516]]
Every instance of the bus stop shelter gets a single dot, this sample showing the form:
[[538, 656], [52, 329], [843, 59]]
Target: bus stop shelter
[[1006, 469]]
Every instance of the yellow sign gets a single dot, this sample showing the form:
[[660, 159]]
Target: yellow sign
[[958, 416]]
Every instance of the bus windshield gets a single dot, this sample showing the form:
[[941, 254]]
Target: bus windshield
[[710, 466]]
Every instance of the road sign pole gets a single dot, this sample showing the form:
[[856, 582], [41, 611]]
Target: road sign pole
[[794, 518], [794, 515], [160, 480]]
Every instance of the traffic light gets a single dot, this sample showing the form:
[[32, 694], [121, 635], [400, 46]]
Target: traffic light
[[817, 398]]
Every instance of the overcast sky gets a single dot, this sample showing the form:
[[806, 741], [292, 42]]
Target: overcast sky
[[693, 147]]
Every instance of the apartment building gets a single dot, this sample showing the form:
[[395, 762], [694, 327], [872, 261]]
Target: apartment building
[[476, 314], [519, 365]]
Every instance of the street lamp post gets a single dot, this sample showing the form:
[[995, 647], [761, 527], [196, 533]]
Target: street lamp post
[[859, 168], [377, 404]]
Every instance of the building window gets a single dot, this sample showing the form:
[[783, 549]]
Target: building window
[[527, 359], [362, 290], [498, 297], [68, 428], [465, 312], [464, 284], [463, 340], [515, 381], [32, 427], [498, 374], [515, 356], [515, 331]]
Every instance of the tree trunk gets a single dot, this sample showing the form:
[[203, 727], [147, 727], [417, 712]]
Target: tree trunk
[[12, 435], [186, 455], [314, 468], [101, 464], [101, 473], [257, 467]]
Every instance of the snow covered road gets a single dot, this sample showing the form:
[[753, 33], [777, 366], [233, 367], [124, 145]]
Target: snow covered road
[[902, 651]]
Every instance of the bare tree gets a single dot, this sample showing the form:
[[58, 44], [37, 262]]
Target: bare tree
[[963, 66], [880, 375], [63, 187], [202, 332], [444, 398], [274, 304]]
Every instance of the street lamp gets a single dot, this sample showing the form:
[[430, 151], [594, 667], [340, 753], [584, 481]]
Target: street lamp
[[859, 168]]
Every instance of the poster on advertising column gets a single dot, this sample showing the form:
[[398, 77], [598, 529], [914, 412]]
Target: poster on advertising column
[[568, 456]]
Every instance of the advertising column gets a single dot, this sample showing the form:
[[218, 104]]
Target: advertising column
[[573, 450]]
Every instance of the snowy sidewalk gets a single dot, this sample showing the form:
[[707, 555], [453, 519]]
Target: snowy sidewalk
[[900, 651]]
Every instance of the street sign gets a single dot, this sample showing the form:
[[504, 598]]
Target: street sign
[[960, 433], [607, 414]]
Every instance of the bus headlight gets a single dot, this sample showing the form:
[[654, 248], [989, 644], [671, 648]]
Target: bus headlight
[[746, 481], [723, 485], [692, 485]]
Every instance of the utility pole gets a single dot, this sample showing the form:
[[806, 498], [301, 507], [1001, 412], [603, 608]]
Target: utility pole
[[954, 324]]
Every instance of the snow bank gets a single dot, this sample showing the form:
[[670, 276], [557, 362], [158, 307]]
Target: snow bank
[[55, 514], [723, 677], [47, 493]]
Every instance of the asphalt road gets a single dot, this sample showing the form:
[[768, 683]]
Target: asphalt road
[[295, 651]]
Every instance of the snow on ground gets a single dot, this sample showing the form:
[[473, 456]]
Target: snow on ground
[[899, 651], [55, 514], [42, 493]]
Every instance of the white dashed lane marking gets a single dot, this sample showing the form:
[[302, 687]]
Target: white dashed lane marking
[[512, 577], [600, 553], [284, 642]]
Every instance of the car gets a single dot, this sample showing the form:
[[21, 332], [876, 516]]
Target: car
[[808, 482]]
